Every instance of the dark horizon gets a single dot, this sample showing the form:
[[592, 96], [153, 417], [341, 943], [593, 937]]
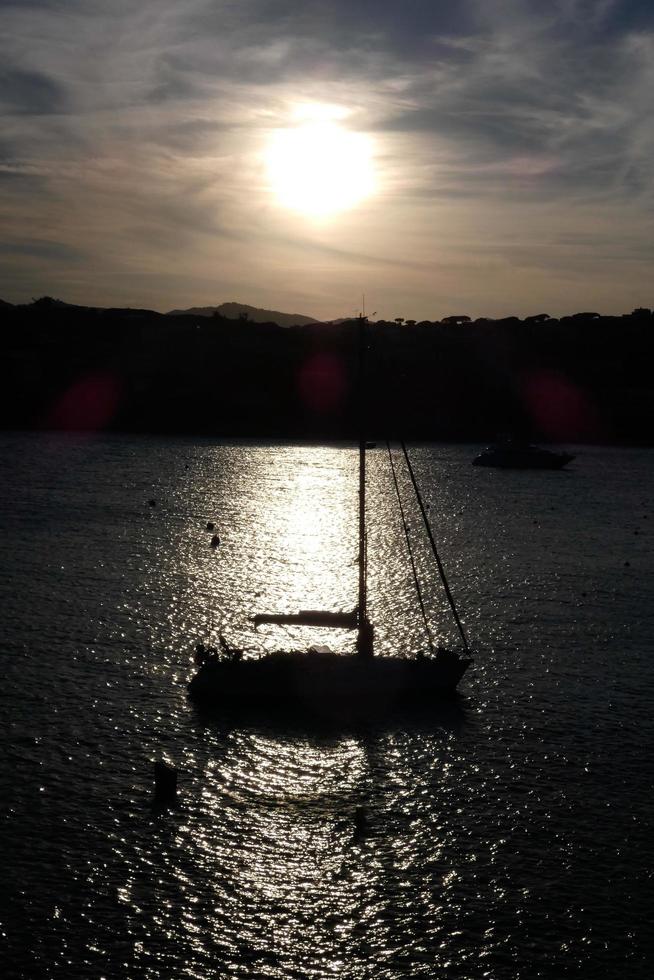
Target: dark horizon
[[582, 378]]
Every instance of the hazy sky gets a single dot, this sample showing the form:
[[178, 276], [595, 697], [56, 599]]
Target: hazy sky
[[511, 143]]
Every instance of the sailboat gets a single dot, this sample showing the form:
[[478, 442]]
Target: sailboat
[[320, 681]]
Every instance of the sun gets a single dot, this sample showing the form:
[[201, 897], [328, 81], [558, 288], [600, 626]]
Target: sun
[[318, 167]]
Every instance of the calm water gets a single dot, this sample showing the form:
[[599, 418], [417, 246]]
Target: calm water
[[511, 838]]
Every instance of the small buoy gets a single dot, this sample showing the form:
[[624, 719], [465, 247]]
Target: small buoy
[[165, 784], [636, 532], [153, 503], [210, 526], [583, 594], [215, 541], [627, 563]]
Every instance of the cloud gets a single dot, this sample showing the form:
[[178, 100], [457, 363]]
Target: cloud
[[135, 132], [29, 92], [38, 249]]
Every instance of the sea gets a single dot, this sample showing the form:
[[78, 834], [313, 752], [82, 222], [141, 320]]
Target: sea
[[507, 835]]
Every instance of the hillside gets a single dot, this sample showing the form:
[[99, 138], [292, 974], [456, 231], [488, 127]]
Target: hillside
[[581, 378], [241, 311]]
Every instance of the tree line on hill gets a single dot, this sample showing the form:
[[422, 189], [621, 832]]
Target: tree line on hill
[[581, 378]]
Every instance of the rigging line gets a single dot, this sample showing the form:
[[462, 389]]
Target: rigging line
[[441, 570], [410, 549]]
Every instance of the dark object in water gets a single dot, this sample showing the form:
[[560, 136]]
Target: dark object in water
[[513, 455], [210, 525], [215, 541], [165, 784], [360, 821], [153, 503]]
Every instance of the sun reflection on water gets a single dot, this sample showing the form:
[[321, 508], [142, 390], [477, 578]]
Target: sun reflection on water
[[269, 857], [287, 521], [275, 816], [287, 542]]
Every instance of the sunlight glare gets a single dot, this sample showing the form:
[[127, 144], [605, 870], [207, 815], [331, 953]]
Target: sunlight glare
[[318, 167]]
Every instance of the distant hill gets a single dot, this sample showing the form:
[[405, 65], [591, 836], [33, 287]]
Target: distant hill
[[237, 311], [50, 305]]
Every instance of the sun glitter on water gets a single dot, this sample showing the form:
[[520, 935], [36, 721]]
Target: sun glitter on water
[[318, 167]]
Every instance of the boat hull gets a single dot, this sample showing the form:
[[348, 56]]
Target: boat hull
[[325, 684]]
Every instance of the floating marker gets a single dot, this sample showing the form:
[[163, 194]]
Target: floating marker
[[210, 526], [215, 541]]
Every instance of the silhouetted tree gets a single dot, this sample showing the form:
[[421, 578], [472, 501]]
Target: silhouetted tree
[[537, 318], [455, 319]]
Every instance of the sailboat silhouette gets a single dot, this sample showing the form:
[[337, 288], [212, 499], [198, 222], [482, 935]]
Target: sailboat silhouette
[[319, 680]]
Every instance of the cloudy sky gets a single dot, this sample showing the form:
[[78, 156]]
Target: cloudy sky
[[507, 148]]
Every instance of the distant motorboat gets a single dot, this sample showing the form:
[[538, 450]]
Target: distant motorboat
[[521, 456]]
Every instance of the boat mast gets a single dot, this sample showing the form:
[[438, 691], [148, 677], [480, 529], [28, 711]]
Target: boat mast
[[365, 634], [363, 597]]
